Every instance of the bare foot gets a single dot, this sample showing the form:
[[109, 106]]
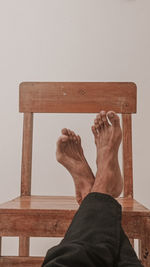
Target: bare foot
[[70, 154], [107, 139]]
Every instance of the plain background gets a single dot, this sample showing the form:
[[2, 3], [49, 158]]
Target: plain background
[[69, 40]]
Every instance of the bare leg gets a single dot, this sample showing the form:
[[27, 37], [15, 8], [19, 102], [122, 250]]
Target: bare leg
[[107, 139], [70, 154]]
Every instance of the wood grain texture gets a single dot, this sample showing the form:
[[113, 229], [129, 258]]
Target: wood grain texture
[[36, 225], [44, 216], [47, 204], [54, 215], [24, 246], [0, 245], [127, 155], [77, 97], [10, 261], [56, 225], [132, 225], [24, 242], [144, 243], [27, 154]]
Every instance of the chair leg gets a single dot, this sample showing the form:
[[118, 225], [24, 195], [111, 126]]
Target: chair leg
[[144, 243], [0, 246], [24, 246], [140, 249], [144, 251]]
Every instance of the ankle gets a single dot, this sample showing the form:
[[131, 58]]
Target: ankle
[[100, 189], [107, 165]]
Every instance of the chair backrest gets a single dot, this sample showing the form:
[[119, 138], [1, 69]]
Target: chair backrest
[[77, 97]]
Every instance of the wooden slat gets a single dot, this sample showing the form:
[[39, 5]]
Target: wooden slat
[[56, 226], [139, 249], [24, 246], [77, 97], [127, 155], [10, 261], [140, 243], [44, 225], [27, 154]]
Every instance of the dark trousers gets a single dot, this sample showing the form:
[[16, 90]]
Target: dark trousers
[[95, 237]]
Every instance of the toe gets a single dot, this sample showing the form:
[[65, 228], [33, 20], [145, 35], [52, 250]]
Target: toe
[[79, 139], [69, 131], [96, 122], [74, 137], [64, 131], [100, 122], [98, 116], [61, 144], [104, 118], [69, 134], [114, 118], [62, 139], [94, 131]]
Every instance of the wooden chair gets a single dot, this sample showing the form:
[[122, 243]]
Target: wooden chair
[[19, 217]]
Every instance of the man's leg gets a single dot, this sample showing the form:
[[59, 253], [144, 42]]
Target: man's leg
[[127, 255], [70, 154], [93, 238], [90, 238], [107, 140]]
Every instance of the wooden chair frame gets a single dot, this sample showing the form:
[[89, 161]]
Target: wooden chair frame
[[70, 97]]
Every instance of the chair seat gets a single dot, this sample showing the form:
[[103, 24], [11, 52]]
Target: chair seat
[[38, 204], [48, 204], [51, 215]]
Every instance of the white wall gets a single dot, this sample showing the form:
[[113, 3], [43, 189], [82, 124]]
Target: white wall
[[69, 40]]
